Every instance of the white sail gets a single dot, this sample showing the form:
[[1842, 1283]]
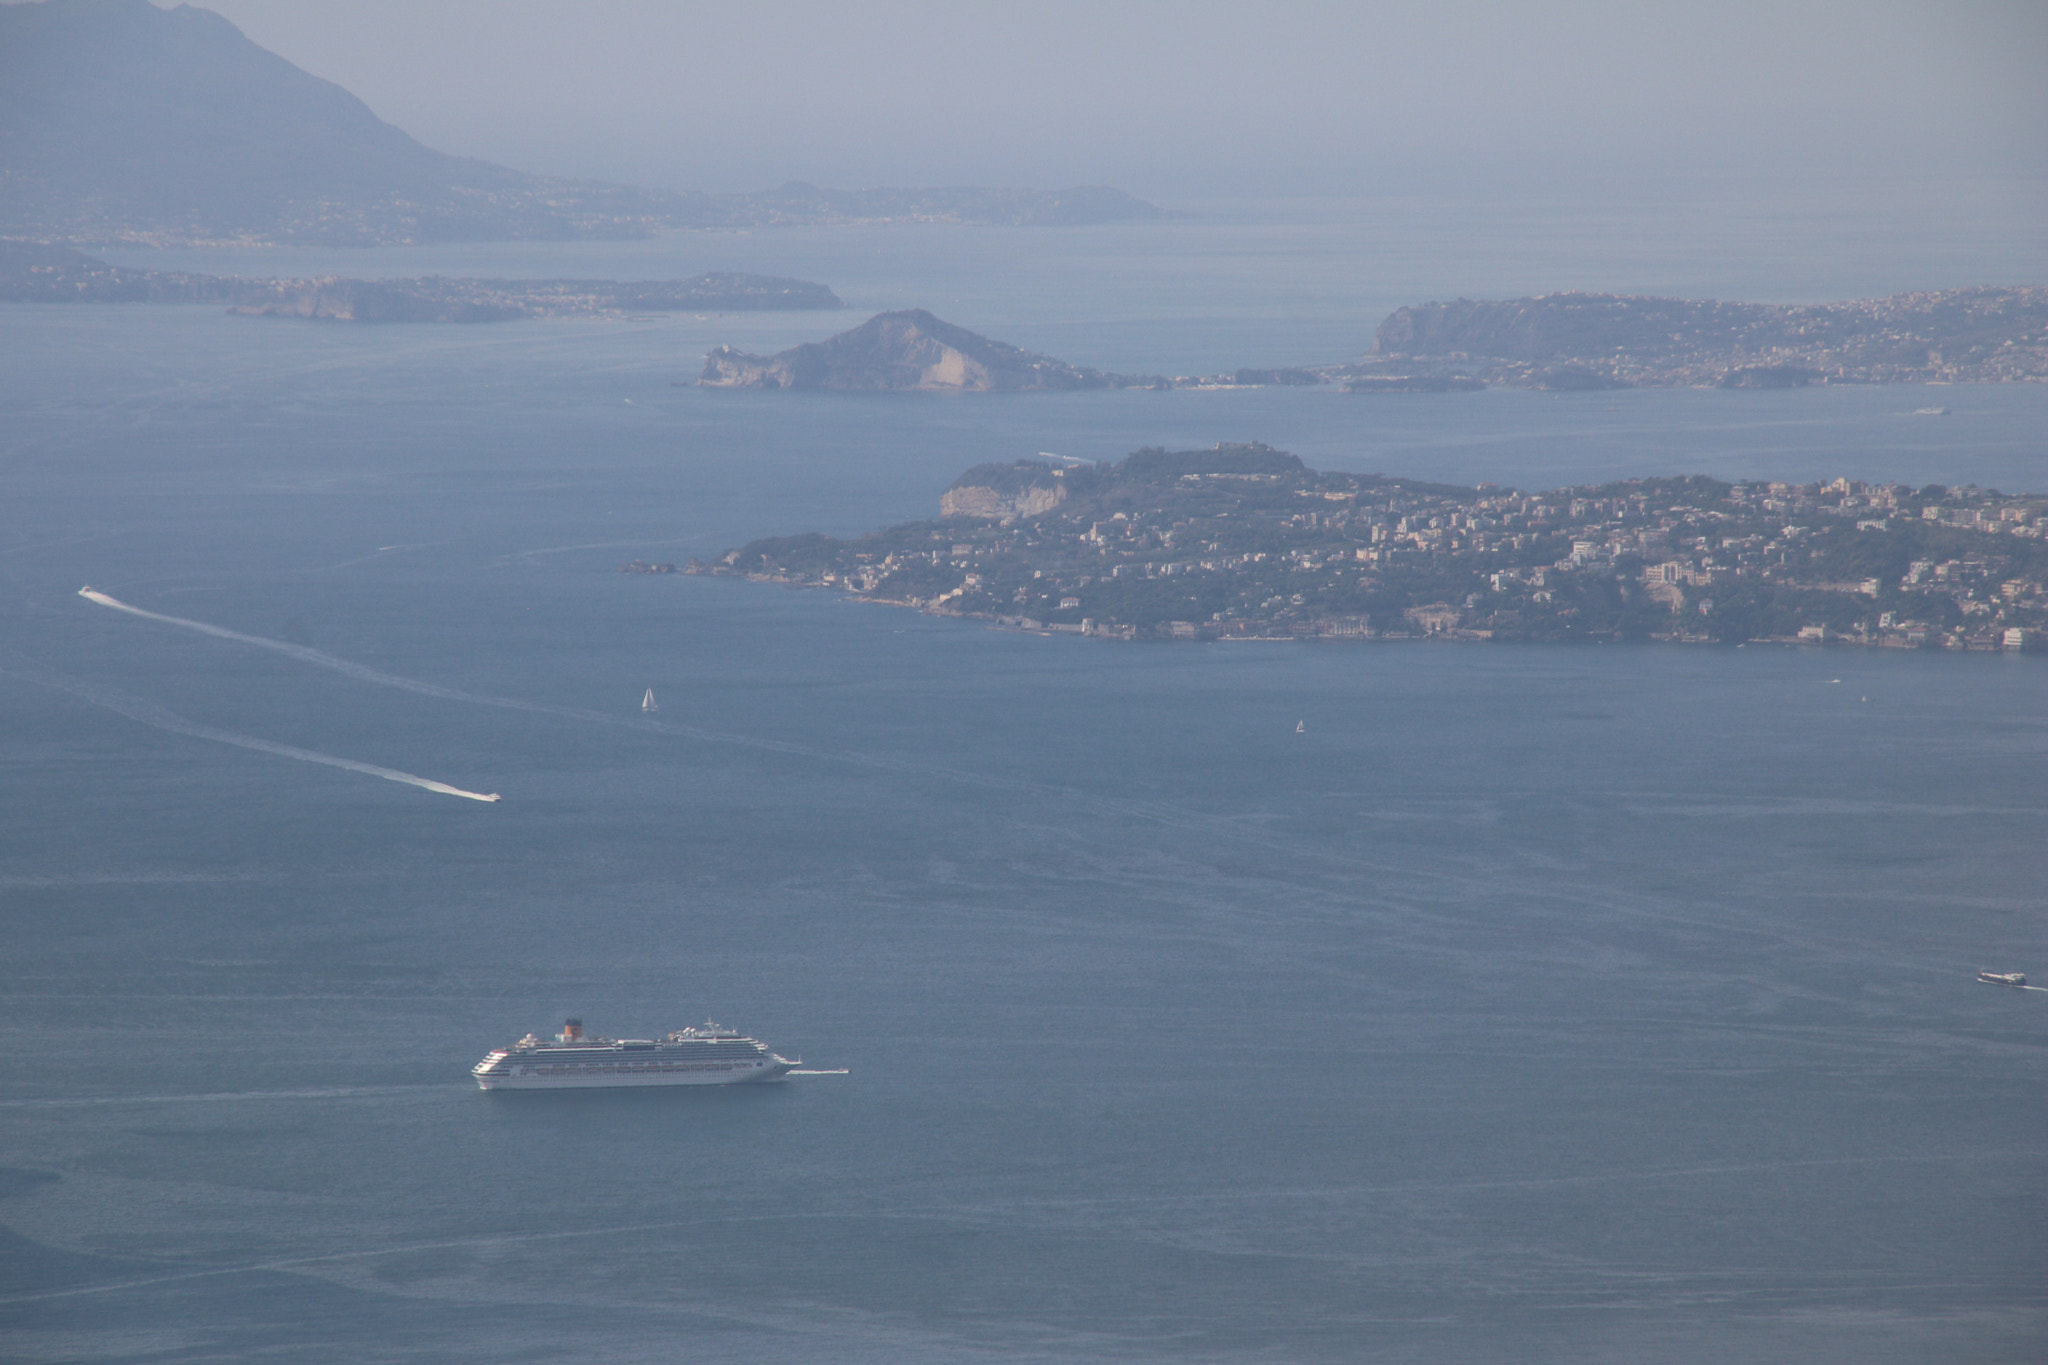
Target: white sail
[[647, 702]]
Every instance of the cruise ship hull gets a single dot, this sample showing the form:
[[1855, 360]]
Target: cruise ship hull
[[688, 1073]]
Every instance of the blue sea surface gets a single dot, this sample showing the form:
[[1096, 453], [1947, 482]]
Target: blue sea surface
[[1228, 1002]]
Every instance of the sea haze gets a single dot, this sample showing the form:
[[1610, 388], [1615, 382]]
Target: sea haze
[[1563, 1005]]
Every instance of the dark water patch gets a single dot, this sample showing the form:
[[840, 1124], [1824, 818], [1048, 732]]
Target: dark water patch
[[17, 1180]]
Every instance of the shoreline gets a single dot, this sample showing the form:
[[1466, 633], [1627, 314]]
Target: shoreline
[[1130, 634]]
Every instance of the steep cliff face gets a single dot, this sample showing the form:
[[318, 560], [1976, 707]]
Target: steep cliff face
[[898, 351], [995, 492]]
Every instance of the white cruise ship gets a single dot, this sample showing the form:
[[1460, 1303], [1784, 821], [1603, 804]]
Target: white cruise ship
[[705, 1055]]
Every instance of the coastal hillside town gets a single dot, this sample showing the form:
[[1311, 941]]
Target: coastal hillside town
[[1248, 542]]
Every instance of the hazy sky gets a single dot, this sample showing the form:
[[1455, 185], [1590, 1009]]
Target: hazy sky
[[1186, 98]]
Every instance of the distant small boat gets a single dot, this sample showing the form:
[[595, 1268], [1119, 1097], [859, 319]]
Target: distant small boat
[[647, 702], [2003, 978], [1301, 727], [1930, 412]]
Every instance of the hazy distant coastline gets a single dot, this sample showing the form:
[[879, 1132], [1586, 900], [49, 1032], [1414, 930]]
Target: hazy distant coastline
[[1596, 341], [45, 273], [1557, 342]]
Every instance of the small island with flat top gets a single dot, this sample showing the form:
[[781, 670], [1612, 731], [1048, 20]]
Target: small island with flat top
[[1249, 542]]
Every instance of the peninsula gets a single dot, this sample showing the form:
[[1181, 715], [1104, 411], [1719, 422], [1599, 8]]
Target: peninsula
[[1607, 341], [1248, 542], [43, 273]]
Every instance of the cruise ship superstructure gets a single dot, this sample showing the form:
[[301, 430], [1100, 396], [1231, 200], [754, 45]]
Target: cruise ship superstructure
[[705, 1055]]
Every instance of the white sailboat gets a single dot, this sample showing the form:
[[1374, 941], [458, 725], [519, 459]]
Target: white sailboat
[[1301, 727], [647, 702]]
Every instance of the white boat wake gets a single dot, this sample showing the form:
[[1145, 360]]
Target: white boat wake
[[1155, 812], [361, 673], [299, 652], [638, 720], [149, 713]]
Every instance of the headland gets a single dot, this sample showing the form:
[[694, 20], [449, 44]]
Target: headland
[[1248, 542]]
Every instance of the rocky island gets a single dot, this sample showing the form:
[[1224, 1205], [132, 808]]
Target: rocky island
[[908, 350], [34, 272], [1249, 542]]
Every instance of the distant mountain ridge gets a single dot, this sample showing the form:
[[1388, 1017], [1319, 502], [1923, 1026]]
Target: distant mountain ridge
[[122, 122], [797, 202]]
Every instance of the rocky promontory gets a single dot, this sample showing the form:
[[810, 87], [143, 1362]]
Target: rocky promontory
[[1025, 488], [908, 350]]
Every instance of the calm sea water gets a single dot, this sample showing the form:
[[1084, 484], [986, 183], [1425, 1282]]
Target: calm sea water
[[1606, 1004]]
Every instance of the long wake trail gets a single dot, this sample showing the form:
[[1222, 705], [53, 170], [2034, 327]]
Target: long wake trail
[[1158, 813], [149, 713], [363, 673], [1154, 812]]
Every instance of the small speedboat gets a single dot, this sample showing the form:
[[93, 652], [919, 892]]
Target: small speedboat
[[2003, 978]]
